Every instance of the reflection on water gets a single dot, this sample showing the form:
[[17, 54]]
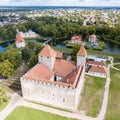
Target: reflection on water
[[4, 45], [60, 46], [112, 48], [1, 48]]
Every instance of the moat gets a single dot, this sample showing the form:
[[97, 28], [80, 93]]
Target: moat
[[112, 47]]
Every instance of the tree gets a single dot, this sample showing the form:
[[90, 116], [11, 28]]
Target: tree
[[6, 68], [75, 49], [33, 62], [38, 48], [3, 33], [11, 32], [3, 96], [13, 55], [27, 54]]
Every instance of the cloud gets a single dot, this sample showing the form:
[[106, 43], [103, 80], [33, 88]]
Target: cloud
[[62, 2]]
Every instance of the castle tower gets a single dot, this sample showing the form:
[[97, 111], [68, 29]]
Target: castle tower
[[81, 56], [47, 56], [20, 42]]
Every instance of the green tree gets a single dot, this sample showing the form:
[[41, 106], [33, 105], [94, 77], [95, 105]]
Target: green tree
[[75, 49], [38, 48], [27, 54], [11, 32], [3, 96], [33, 62], [13, 56], [6, 68]]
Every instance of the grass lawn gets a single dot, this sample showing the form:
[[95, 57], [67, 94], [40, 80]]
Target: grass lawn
[[117, 66], [92, 95], [113, 110], [24, 113], [62, 49]]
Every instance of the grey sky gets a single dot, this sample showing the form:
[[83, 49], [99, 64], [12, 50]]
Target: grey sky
[[61, 2]]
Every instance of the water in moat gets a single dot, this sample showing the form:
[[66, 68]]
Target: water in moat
[[112, 47], [4, 45]]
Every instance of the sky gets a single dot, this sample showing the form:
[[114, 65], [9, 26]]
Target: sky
[[60, 2]]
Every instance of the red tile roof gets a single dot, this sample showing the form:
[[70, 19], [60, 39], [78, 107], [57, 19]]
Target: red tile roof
[[96, 63], [63, 67], [73, 76], [47, 51], [36, 74], [59, 54], [98, 69], [39, 72], [82, 51], [19, 38], [78, 38], [93, 36]]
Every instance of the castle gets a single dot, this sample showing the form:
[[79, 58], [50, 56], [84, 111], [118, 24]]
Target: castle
[[54, 81]]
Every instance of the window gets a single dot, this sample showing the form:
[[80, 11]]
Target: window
[[63, 100]]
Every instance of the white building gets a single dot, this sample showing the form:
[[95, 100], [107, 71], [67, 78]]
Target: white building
[[29, 34], [20, 42], [98, 71], [55, 81], [95, 68], [92, 38], [76, 39], [96, 63]]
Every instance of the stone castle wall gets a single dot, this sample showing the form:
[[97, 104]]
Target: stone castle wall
[[81, 60], [48, 61], [53, 94], [57, 96]]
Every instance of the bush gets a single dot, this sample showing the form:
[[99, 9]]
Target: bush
[[3, 96]]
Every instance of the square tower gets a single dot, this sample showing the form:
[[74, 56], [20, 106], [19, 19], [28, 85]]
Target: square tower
[[81, 56]]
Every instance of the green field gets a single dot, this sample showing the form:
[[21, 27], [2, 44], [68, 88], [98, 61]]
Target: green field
[[62, 49], [92, 95], [4, 104], [24, 113], [113, 110], [117, 66], [4, 98]]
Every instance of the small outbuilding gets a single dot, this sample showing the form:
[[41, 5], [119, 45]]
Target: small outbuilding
[[20, 42]]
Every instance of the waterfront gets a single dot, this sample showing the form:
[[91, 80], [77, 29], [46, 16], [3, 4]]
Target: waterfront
[[112, 48]]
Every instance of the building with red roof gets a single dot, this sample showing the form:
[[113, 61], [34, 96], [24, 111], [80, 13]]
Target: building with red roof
[[97, 71], [55, 81], [20, 42], [96, 63], [92, 38], [96, 68], [76, 39]]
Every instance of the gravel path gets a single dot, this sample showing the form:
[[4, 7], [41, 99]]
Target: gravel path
[[15, 101]]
